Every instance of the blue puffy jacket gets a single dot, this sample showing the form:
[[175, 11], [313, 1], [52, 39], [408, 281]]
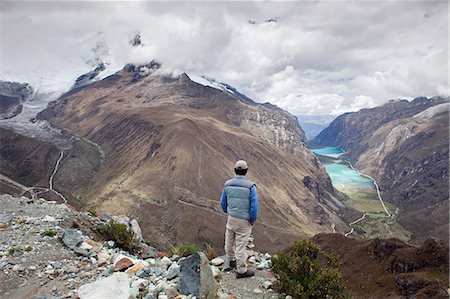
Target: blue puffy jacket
[[240, 199]]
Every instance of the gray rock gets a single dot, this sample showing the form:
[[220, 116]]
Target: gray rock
[[173, 271], [18, 268], [257, 291], [145, 251], [45, 297], [103, 217], [71, 238], [157, 271], [115, 286], [71, 269], [143, 273], [81, 251], [108, 271], [196, 277], [6, 217], [136, 230]]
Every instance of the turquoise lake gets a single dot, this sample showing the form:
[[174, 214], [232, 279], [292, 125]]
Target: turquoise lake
[[340, 173]]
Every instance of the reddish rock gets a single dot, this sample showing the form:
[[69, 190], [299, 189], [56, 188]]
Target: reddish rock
[[123, 264], [135, 268]]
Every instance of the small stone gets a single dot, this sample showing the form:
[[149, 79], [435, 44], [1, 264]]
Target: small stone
[[257, 291], [288, 297], [71, 238], [252, 260], [264, 264], [48, 218], [122, 219], [110, 244], [71, 269], [217, 261], [250, 253], [165, 261], [123, 264], [50, 271], [103, 217], [267, 284], [84, 245], [108, 271], [18, 268], [32, 268], [143, 273], [157, 271], [135, 268], [173, 271]]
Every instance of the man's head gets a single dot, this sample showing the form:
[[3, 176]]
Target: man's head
[[241, 167]]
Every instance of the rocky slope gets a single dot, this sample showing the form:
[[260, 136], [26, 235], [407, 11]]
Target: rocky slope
[[404, 146], [169, 145], [49, 250]]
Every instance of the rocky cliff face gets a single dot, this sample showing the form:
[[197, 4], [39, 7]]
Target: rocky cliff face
[[404, 145], [170, 144], [11, 97]]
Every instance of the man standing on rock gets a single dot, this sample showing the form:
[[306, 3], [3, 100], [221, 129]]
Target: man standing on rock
[[240, 200]]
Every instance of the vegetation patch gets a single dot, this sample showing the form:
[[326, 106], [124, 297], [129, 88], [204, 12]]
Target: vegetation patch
[[49, 233], [184, 249], [14, 251], [119, 233], [306, 272]]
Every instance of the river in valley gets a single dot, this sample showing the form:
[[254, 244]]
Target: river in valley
[[378, 217]]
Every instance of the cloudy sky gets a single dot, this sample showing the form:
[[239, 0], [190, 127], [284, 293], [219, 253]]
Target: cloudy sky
[[308, 57]]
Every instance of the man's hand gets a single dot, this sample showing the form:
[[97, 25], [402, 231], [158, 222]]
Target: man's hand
[[251, 222]]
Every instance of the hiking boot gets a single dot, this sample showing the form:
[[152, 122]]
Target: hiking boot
[[231, 266], [248, 273]]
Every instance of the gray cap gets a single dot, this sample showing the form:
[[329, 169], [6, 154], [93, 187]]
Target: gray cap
[[241, 164]]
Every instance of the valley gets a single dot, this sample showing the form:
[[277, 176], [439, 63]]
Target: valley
[[378, 219], [403, 145]]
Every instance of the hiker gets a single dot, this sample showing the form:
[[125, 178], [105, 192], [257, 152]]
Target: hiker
[[240, 201]]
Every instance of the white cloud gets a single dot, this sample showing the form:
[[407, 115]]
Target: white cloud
[[317, 58]]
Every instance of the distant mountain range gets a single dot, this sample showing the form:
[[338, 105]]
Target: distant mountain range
[[405, 147]]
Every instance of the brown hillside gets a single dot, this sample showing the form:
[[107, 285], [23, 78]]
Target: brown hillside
[[390, 268], [170, 144]]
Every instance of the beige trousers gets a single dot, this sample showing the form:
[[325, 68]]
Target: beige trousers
[[236, 239]]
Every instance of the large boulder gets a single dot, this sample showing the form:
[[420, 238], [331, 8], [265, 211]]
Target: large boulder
[[116, 286], [196, 277]]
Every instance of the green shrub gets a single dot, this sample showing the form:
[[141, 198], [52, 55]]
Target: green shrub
[[184, 249], [300, 274], [49, 233], [14, 250], [28, 248], [119, 233]]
